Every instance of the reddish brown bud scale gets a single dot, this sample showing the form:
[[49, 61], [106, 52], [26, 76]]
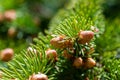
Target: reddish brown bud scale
[[6, 54], [38, 77], [78, 62], [67, 55], [61, 42], [85, 36], [92, 50], [89, 63], [10, 15]]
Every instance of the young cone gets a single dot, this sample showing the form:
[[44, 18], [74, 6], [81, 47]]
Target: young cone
[[51, 54], [89, 63], [61, 42], [85, 36], [6, 54], [78, 62]]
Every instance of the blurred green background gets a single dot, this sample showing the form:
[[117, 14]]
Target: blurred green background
[[33, 16]]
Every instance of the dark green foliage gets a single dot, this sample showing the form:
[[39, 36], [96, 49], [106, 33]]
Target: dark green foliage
[[108, 67], [65, 71], [111, 8], [109, 40], [112, 69]]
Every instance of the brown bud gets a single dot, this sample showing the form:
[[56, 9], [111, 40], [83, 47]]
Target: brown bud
[[6, 54], [38, 77], [85, 36], [61, 42], [78, 62], [89, 63], [10, 15], [51, 54]]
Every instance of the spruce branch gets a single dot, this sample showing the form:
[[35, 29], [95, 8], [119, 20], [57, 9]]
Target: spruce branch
[[72, 25], [25, 64], [80, 17], [73, 32]]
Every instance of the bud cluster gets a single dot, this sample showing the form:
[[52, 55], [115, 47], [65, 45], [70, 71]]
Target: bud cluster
[[77, 50]]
